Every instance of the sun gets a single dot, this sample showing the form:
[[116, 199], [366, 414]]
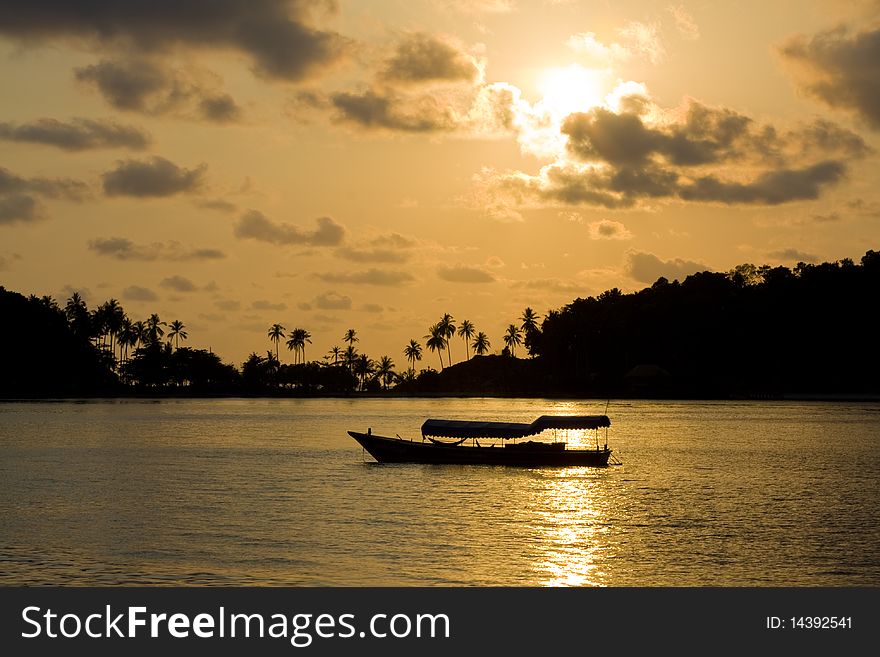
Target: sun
[[571, 89]]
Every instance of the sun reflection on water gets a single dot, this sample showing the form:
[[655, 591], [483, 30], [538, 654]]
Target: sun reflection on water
[[572, 520]]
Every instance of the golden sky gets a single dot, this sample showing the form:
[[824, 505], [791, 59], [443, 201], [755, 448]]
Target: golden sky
[[373, 165]]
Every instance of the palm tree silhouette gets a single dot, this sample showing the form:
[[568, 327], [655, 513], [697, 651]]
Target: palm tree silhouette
[[529, 320], [297, 343], [176, 332], [385, 370], [513, 338], [466, 331], [436, 341], [447, 325], [306, 339], [154, 329], [350, 337], [349, 357], [335, 351], [413, 352], [276, 332], [481, 344], [364, 367]]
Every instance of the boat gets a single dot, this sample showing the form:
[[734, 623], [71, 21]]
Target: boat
[[458, 442]]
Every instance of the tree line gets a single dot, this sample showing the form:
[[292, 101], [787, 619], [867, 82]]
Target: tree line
[[754, 329]]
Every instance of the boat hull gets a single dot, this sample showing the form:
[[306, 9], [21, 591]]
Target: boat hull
[[396, 450]]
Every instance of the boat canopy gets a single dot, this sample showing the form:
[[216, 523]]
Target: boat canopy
[[507, 430]]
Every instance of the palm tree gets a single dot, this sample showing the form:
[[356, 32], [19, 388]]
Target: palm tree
[[466, 331], [276, 332], [306, 339], [335, 351], [154, 329], [385, 371], [529, 321], [513, 338], [350, 337], [77, 314], [436, 341], [447, 325], [530, 328], [481, 344], [176, 332], [413, 352], [139, 328], [364, 367], [349, 357]]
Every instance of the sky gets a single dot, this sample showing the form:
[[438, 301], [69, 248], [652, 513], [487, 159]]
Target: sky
[[373, 165]]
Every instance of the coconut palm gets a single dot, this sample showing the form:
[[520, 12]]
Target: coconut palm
[[481, 344], [466, 331], [447, 324], [350, 337], [529, 320], [276, 332], [139, 329], [306, 339], [385, 371], [77, 314], [363, 368], [154, 329], [297, 343], [349, 357], [176, 332], [413, 352], [336, 352], [436, 341], [513, 338]]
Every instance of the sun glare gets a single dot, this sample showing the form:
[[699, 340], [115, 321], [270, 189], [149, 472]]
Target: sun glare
[[571, 89]]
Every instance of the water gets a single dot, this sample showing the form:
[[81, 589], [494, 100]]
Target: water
[[273, 492]]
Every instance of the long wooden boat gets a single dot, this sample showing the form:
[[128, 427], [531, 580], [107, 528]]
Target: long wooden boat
[[458, 442]]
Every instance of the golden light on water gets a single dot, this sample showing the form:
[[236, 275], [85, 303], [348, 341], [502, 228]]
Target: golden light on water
[[572, 520]]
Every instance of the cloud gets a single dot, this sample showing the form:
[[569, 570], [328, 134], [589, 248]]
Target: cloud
[[155, 177], [550, 284], [154, 87], [178, 284], [792, 255], [262, 304], [19, 197], [618, 159], [389, 110], [218, 204], [278, 36], [333, 301], [685, 24], [371, 276], [138, 293], [639, 40], [482, 6], [770, 188], [255, 225], [77, 134], [122, 248], [644, 39], [839, 68], [421, 57], [464, 274], [647, 268], [372, 255], [228, 304], [371, 308], [605, 229]]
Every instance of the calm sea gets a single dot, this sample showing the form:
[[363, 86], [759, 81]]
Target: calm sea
[[273, 492]]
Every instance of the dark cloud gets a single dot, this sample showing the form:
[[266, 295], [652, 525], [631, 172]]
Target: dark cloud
[[464, 274], [218, 204], [221, 108], [391, 111], [122, 248], [178, 284], [333, 301], [77, 134], [262, 304], [153, 87], [792, 255], [371, 308], [151, 178], [372, 255], [422, 57], [228, 304], [647, 268], [19, 197], [393, 241], [841, 69], [304, 305], [770, 188], [616, 160], [138, 293], [369, 277], [19, 207], [277, 35], [255, 225]]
